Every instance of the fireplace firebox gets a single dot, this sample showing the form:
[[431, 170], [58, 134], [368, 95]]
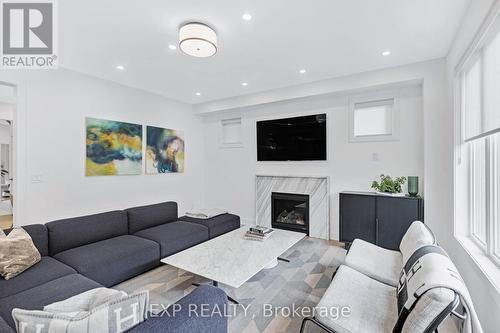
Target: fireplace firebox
[[290, 211]]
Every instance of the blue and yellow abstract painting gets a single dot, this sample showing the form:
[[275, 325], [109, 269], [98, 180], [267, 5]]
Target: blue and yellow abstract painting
[[113, 148], [164, 150]]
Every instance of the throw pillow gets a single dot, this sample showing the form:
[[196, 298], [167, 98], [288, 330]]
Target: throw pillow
[[117, 314], [17, 253], [85, 301]]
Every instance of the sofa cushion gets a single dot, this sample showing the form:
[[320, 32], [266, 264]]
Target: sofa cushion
[[73, 232], [187, 314], [372, 304], [140, 218], [46, 270], [176, 236], [4, 327], [39, 236], [378, 263], [36, 298], [216, 225], [113, 260]]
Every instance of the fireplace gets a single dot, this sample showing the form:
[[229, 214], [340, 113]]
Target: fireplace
[[290, 211]]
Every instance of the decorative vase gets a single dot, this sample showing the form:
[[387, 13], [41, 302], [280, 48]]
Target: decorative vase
[[413, 186]]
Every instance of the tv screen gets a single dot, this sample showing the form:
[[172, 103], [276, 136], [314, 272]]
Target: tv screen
[[292, 139]]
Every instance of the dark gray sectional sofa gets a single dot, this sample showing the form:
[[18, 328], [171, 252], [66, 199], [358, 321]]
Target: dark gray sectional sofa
[[105, 249]]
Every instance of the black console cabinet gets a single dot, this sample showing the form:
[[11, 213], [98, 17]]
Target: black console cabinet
[[376, 218]]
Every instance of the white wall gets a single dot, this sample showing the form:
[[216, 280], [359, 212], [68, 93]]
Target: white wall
[[50, 132], [486, 296], [350, 166], [437, 164]]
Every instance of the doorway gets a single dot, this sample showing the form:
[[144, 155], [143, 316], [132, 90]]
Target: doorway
[[7, 108]]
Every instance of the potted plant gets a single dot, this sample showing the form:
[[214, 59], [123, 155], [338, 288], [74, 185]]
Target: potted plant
[[389, 185]]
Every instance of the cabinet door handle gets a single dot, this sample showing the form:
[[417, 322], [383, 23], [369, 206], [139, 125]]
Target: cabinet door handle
[[376, 231]]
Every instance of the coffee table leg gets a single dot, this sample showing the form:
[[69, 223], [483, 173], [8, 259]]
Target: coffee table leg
[[216, 284]]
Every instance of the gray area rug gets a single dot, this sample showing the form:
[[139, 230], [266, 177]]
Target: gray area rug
[[299, 283]]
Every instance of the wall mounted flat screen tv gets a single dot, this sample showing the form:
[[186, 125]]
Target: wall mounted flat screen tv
[[292, 139]]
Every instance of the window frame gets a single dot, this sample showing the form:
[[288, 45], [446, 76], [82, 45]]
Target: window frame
[[484, 255], [472, 203], [494, 192], [375, 99]]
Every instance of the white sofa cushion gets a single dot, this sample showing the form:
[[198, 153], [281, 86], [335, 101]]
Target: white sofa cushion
[[376, 262], [372, 303], [416, 236]]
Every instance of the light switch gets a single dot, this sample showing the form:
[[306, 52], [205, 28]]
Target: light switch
[[375, 157], [36, 178]]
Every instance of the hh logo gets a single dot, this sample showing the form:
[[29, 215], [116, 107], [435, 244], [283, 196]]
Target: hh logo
[[28, 34]]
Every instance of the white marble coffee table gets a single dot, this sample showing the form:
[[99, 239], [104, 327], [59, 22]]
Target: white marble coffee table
[[231, 259]]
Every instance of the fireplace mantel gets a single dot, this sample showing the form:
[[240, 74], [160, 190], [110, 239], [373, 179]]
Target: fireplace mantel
[[318, 189]]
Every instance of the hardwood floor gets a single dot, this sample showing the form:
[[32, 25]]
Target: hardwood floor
[[5, 221]]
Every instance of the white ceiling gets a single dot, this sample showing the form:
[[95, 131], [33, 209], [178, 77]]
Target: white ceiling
[[329, 38]]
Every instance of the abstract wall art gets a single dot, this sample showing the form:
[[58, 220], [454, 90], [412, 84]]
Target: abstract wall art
[[164, 150], [113, 148]]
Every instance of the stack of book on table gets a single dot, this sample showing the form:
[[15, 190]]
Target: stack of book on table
[[258, 233]]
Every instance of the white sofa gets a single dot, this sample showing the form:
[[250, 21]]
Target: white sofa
[[373, 307], [408, 291], [385, 265]]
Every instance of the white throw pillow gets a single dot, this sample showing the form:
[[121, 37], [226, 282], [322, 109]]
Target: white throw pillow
[[98, 310]]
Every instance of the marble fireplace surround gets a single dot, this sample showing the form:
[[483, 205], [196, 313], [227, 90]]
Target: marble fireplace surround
[[315, 186]]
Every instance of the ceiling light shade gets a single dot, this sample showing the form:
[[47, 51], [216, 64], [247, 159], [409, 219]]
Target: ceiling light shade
[[198, 40]]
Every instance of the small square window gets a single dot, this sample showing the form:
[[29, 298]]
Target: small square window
[[373, 121], [231, 133]]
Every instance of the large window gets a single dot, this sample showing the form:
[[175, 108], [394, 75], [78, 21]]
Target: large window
[[479, 82]]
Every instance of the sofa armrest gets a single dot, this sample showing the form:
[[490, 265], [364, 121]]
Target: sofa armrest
[[199, 312]]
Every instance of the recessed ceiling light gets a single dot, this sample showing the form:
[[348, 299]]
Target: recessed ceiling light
[[244, 84], [302, 71], [246, 17], [386, 53], [172, 47], [120, 68], [198, 94]]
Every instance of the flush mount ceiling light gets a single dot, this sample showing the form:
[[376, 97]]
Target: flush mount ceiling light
[[386, 53], [198, 40]]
